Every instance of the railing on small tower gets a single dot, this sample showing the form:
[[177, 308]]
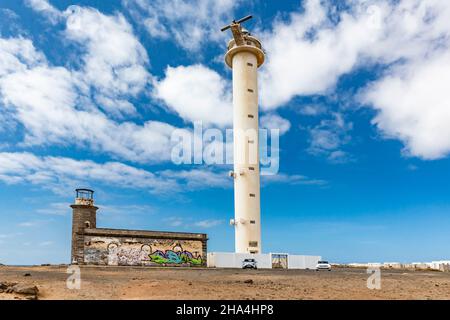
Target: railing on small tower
[[85, 197]]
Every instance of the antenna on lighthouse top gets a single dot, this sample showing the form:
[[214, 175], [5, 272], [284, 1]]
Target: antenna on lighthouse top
[[236, 22], [236, 29]]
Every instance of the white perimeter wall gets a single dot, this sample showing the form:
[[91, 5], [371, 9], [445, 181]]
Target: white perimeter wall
[[234, 260], [264, 261], [303, 262]]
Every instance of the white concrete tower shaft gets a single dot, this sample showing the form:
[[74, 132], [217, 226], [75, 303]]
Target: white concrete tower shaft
[[245, 56]]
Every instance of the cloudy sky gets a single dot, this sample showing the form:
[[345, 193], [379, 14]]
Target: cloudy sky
[[91, 92]]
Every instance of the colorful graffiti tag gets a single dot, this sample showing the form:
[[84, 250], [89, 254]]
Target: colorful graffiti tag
[[172, 257], [175, 256]]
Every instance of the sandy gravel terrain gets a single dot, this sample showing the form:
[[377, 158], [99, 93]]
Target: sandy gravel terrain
[[177, 283]]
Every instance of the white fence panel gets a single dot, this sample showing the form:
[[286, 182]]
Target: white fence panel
[[303, 262]]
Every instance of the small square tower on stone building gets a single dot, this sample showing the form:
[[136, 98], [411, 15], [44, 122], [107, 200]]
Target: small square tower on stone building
[[84, 217]]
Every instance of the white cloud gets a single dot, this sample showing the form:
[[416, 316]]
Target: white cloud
[[191, 24], [414, 106], [412, 98], [120, 209], [187, 222], [310, 51], [62, 175], [175, 221], [64, 106], [56, 208], [312, 110], [199, 178], [108, 211], [208, 223], [115, 61], [8, 13], [10, 235], [274, 121], [45, 8], [294, 179], [64, 103], [196, 93], [18, 54], [32, 223], [329, 136], [207, 178], [51, 113], [340, 156], [45, 243], [27, 224], [308, 54], [58, 108]]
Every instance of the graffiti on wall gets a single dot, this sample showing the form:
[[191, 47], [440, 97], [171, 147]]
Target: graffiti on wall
[[147, 252]]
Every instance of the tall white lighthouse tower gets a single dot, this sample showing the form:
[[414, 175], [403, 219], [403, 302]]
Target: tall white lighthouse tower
[[244, 57]]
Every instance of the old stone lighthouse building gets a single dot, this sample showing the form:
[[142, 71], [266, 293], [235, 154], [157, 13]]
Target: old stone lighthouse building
[[122, 247]]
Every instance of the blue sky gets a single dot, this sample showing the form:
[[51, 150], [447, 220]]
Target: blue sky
[[90, 92]]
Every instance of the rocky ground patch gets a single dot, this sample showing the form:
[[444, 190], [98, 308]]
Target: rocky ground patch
[[19, 290]]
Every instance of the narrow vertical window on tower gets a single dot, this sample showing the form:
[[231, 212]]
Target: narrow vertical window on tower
[[253, 244]]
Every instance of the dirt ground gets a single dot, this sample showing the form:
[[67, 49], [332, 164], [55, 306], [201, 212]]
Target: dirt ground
[[184, 283]]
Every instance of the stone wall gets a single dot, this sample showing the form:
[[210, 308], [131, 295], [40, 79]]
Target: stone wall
[[143, 248]]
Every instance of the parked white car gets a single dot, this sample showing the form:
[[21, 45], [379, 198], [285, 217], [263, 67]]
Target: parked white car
[[323, 265]]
